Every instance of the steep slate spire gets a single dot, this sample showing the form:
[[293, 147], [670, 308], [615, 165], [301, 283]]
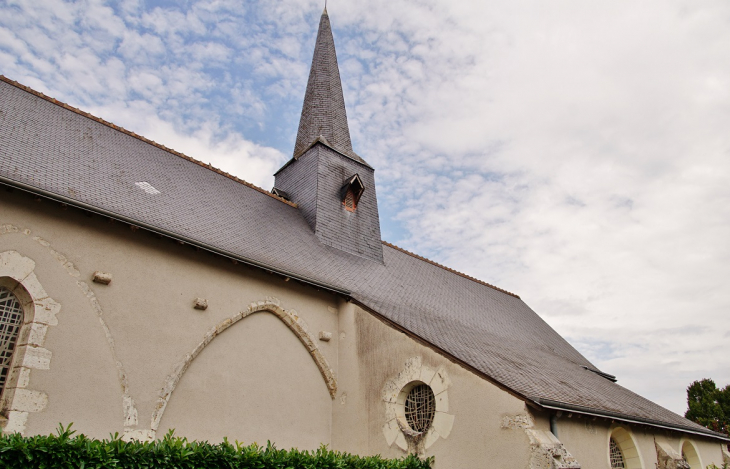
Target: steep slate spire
[[333, 187], [323, 112]]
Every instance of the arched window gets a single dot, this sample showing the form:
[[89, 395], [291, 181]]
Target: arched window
[[617, 457], [622, 450], [26, 312], [689, 454], [11, 318]]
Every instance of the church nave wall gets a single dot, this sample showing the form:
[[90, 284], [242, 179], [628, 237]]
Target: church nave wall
[[376, 359], [121, 343], [587, 438]]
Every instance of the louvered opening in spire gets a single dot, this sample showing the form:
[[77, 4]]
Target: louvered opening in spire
[[323, 112]]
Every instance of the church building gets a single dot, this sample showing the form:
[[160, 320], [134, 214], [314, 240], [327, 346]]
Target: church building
[[142, 290]]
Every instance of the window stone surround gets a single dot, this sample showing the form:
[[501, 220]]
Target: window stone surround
[[396, 429], [626, 443], [39, 313]]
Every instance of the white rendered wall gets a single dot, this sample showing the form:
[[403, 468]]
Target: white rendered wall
[[117, 347]]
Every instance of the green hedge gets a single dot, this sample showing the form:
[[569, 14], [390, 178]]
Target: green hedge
[[65, 450]]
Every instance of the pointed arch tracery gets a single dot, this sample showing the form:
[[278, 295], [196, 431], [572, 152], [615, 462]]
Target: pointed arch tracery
[[40, 311], [289, 318]]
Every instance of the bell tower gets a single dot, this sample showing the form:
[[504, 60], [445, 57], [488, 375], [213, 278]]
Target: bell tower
[[333, 186]]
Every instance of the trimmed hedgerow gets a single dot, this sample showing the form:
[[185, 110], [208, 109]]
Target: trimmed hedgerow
[[65, 450]]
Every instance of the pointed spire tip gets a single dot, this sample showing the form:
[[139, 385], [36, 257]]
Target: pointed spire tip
[[323, 112]]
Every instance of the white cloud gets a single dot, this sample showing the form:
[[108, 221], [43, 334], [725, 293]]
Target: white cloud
[[576, 153], [233, 154]]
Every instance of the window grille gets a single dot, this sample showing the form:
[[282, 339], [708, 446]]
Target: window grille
[[11, 317], [420, 408], [617, 457]]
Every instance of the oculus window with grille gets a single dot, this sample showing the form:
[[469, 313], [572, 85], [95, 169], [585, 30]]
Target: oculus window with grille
[[617, 457], [11, 318], [420, 407]]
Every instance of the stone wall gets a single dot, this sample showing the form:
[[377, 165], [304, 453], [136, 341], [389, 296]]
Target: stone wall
[[138, 355]]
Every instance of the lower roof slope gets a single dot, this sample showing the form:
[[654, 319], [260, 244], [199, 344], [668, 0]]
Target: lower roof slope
[[61, 153]]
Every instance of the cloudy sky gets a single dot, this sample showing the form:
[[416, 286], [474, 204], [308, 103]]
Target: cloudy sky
[[574, 152]]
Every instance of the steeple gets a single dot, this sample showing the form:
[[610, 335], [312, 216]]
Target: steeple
[[332, 186], [323, 112]]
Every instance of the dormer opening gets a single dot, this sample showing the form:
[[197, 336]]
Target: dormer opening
[[351, 192], [349, 202], [280, 193], [324, 169]]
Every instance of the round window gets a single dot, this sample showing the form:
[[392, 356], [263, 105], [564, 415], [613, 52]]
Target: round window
[[420, 407]]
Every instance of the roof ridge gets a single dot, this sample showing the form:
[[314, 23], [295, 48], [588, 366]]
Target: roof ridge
[[460, 274], [140, 137]]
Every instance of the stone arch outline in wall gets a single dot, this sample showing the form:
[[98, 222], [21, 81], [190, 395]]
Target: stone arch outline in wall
[[689, 452], [271, 305], [626, 443], [129, 408], [396, 428], [39, 313]]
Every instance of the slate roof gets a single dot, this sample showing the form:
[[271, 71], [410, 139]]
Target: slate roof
[[323, 110], [51, 149]]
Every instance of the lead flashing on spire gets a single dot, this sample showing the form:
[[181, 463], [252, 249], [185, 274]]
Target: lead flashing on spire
[[324, 142]]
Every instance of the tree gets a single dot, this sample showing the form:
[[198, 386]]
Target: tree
[[709, 405]]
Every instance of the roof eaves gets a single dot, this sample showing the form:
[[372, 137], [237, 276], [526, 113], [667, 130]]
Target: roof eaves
[[451, 270], [139, 137], [441, 351], [538, 402], [555, 405], [178, 237]]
